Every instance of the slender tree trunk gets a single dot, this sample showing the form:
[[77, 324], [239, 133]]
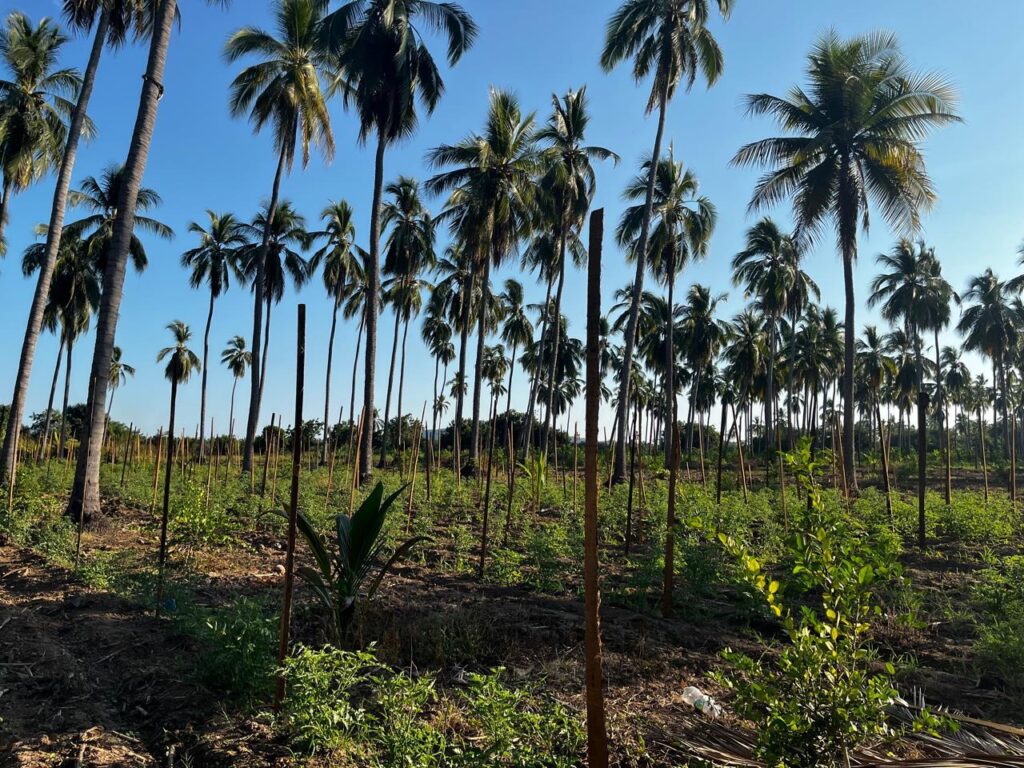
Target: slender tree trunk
[[231, 414], [327, 381], [391, 382], [162, 557], [206, 370], [721, 452], [619, 468], [355, 368], [401, 384], [47, 422], [266, 346], [922, 439], [885, 463], [85, 494], [848, 240], [256, 372], [474, 438], [460, 390], [553, 367], [372, 270], [67, 394], [531, 401], [670, 355], [53, 237]]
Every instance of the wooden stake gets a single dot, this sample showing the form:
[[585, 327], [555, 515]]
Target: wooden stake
[[597, 735], [293, 506]]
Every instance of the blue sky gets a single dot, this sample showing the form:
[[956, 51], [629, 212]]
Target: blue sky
[[202, 158]]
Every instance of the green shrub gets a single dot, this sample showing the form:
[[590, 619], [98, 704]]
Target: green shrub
[[240, 650]]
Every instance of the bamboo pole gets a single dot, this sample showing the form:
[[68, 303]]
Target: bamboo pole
[[209, 471], [156, 467], [278, 442], [267, 443], [355, 473], [127, 447]]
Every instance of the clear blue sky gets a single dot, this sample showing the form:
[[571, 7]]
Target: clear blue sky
[[201, 158]]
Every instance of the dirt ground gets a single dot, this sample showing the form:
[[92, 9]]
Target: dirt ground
[[90, 679]]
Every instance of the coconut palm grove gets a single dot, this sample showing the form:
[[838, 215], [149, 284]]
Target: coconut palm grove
[[414, 383]]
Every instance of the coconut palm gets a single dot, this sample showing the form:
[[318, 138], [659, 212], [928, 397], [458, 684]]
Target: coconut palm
[[181, 363], [160, 16], [237, 359], [683, 221], [437, 335], [702, 336], [338, 258], [100, 197], [913, 291], [34, 110], [385, 67], [110, 23], [281, 91], [992, 325], [765, 269], [668, 39], [120, 371], [74, 297], [355, 304], [409, 251], [568, 183], [213, 262], [884, 108], [516, 329], [491, 180], [277, 240]]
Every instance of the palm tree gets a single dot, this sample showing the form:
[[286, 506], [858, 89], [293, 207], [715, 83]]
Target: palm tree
[[568, 183], [111, 21], [765, 270], [338, 258], [876, 368], [34, 112], [703, 337], [913, 291], [74, 297], [684, 221], [516, 329], [670, 39], [993, 325], [409, 251], [385, 67], [213, 262], [181, 363], [119, 373], [884, 109], [268, 263], [282, 90], [491, 180], [84, 499], [437, 335], [237, 359], [101, 198]]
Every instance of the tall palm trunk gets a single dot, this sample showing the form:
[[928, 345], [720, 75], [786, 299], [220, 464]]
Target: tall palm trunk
[[789, 383], [485, 295], [401, 383], [67, 395], [769, 384], [848, 244], [256, 384], [266, 348], [231, 412], [531, 401], [85, 494], [327, 381], [53, 237], [355, 368], [162, 555], [391, 382], [619, 469], [460, 390], [553, 367], [922, 437], [670, 355], [206, 369], [49, 403], [433, 403], [372, 269]]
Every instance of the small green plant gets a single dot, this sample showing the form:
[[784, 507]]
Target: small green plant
[[240, 644], [820, 699], [536, 475], [353, 567]]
